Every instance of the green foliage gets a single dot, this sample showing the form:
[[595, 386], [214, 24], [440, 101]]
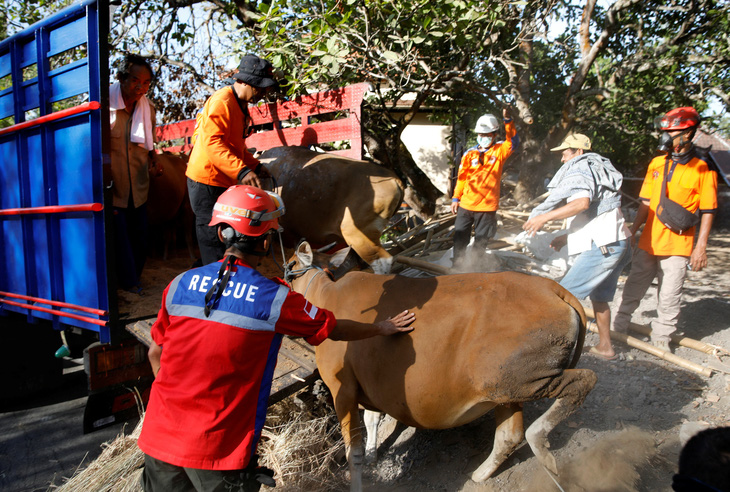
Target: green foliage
[[459, 58], [402, 45], [17, 15]]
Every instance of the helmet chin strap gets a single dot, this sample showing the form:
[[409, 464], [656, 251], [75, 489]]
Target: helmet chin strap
[[684, 139]]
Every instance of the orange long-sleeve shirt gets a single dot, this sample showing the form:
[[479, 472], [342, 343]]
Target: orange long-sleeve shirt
[[480, 174], [219, 152]]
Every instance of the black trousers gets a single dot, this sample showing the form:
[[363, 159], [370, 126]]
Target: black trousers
[[131, 228], [202, 201], [159, 476], [485, 227]]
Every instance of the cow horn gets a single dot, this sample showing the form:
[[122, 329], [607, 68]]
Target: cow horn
[[326, 248], [350, 261]]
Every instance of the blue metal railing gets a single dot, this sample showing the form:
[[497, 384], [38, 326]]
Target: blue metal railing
[[59, 257]]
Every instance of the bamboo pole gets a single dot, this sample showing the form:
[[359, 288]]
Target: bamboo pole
[[424, 265], [676, 339], [651, 349]]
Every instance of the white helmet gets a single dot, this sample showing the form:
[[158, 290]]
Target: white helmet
[[487, 124]]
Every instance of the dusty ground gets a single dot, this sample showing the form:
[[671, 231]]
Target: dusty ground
[[626, 436]]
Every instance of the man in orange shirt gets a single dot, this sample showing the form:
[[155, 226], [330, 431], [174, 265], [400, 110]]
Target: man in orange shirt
[[661, 251], [219, 158], [476, 196]]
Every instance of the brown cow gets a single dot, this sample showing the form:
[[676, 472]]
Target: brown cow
[[330, 198], [481, 341], [168, 205]]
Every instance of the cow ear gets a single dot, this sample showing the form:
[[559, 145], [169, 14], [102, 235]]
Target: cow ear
[[304, 253]]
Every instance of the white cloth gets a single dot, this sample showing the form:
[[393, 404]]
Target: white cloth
[[604, 229], [141, 127]]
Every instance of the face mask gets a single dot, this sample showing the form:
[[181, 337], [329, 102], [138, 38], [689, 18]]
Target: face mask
[[484, 142], [665, 142]]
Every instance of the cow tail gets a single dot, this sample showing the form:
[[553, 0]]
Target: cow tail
[[571, 300]]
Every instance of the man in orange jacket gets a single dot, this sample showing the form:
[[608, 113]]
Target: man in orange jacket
[[219, 158], [476, 196]]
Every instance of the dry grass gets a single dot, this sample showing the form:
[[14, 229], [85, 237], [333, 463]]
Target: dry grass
[[117, 469], [301, 447]]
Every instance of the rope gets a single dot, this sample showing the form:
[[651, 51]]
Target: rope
[[553, 478], [310, 281]]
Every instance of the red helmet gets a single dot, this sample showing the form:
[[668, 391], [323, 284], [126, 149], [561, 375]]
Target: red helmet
[[249, 210], [679, 119]]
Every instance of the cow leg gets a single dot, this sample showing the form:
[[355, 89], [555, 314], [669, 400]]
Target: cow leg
[[371, 444], [509, 434], [569, 390], [366, 243], [348, 414]]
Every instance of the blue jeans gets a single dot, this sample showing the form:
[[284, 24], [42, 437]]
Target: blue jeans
[[595, 273]]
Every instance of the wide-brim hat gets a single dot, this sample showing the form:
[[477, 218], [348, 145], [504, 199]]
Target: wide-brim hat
[[256, 72], [574, 141]]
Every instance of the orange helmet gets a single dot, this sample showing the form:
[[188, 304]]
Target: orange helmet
[[250, 211], [679, 119]]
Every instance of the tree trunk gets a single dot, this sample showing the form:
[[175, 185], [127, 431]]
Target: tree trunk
[[535, 164], [391, 152]]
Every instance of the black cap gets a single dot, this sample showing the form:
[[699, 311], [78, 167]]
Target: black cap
[[255, 72]]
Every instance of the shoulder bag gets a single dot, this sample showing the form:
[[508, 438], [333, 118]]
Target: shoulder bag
[[670, 213]]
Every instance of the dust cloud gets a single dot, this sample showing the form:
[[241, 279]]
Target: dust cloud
[[610, 466]]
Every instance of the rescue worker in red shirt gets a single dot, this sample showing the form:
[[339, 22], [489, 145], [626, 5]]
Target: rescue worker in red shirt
[[663, 252], [214, 350], [476, 196]]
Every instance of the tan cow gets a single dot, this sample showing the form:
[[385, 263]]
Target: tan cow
[[168, 205], [481, 341], [334, 199]]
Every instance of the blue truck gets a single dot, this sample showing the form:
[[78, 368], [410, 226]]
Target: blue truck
[[56, 239], [57, 274]]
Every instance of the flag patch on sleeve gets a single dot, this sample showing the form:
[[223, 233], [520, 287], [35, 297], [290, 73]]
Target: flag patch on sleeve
[[311, 310]]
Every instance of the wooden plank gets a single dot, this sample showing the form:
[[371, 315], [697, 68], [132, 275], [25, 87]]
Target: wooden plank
[[295, 353], [142, 330]]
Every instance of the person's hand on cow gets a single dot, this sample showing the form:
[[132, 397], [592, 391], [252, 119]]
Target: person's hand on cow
[[506, 114], [397, 324], [250, 179], [262, 172], [535, 224], [264, 177]]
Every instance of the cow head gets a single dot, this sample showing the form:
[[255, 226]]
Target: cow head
[[305, 259]]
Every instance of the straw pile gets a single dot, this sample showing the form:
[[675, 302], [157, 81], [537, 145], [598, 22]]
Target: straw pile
[[117, 469], [302, 448]]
